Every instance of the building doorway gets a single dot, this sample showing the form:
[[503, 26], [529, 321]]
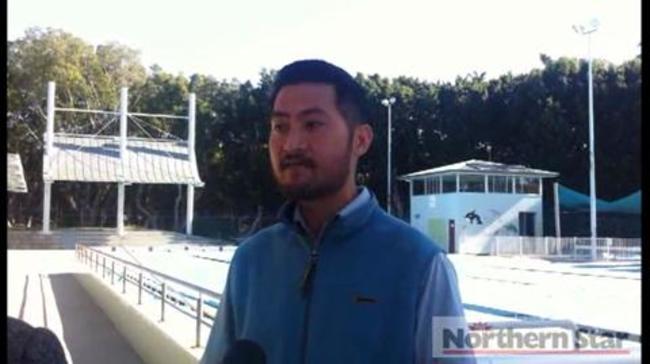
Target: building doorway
[[527, 224]]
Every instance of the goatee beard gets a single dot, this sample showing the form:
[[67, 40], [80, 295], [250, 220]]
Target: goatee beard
[[310, 193], [329, 185]]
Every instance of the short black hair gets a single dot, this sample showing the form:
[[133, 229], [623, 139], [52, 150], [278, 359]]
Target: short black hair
[[350, 96]]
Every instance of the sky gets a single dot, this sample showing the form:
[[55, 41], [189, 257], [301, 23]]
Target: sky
[[434, 40]]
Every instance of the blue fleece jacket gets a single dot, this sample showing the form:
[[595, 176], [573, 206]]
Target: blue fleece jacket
[[351, 298]]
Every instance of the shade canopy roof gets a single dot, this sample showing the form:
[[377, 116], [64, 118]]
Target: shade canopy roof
[[574, 201], [88, 158]]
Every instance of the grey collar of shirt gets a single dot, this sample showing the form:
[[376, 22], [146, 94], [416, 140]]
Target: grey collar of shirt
[[362, 197]]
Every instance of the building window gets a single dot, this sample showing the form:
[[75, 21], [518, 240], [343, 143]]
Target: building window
[[499, 184], [472, 183], [418, 187], [432, 185], [449, 183], [527, 185]]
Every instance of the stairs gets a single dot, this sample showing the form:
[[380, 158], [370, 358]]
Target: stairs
[[68, 238]]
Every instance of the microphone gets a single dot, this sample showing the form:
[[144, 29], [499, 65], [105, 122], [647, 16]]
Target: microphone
[[244, 352]]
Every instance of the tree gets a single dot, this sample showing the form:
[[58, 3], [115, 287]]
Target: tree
[[537, 119]]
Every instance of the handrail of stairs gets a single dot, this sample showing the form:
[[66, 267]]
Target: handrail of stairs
[[91, 256]]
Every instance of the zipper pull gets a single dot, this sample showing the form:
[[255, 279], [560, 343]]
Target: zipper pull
[[307, 277]]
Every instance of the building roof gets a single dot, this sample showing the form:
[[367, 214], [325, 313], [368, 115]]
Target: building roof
[[15, 175], [480, 167], [88, 158]]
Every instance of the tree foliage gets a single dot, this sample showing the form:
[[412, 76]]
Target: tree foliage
[[539, 119]]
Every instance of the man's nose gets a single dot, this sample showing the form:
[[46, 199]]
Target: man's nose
[[294, 141]]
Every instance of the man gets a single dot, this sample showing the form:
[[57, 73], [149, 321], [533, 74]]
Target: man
[[337, 280]]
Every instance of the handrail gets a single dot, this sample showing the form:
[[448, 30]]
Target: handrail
[[85, 253], [155, 272]]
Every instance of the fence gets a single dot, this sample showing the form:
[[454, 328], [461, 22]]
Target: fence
[[578, 248], [184, 296]]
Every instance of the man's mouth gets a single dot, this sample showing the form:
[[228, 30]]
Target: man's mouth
[[304, 164]]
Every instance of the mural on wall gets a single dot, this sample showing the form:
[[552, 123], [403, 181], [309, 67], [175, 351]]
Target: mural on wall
[[437, 230], [472, 224], [509, 228], [477, 222], [472, 217]]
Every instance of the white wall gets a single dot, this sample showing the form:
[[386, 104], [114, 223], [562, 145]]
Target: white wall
[[499, 213]]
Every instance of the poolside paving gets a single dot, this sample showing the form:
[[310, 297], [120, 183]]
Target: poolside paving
[[600, 294], [43, 291]]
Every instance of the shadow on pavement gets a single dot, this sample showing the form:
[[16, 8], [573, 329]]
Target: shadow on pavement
[[88, 333]]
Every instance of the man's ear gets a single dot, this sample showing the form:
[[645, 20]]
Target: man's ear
[[363, 136]]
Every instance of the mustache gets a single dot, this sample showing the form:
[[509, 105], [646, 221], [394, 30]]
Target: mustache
[[296, 160]]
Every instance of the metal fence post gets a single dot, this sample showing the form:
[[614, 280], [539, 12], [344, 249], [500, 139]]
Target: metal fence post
[[497, 245], [608, 243], [546, 245], [575, 247], [162, 303], [112, 272], [96, 262], [124, 280], [140, 288], [103, 267], [199, 313], [521, 245]]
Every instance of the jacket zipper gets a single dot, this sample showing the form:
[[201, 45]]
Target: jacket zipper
[[306, 289]]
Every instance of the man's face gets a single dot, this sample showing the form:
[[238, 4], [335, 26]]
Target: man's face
[[310, 144]]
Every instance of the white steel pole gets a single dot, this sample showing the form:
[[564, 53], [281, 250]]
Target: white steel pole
[[124, 93], [49, 141], [410, 182], [120, 208], [592, 157], [556, 198], [388, 193], [124, 99], [47, 196], [51, 94], [192, 157]]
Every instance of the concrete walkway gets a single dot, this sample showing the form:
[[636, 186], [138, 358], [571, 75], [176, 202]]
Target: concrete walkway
[[44, 291]]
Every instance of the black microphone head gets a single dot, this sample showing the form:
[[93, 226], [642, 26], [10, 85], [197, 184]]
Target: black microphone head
[[244, 352]]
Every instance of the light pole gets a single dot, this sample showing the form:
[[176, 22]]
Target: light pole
[[587, 30], [388, 103]]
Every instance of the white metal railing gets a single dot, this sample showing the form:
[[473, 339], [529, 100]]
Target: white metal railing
[[570, 247], [168, 289]]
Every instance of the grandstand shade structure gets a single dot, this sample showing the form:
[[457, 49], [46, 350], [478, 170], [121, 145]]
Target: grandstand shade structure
[[119, 159]]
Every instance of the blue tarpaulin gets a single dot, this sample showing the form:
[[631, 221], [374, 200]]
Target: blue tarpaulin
[[575, 201]]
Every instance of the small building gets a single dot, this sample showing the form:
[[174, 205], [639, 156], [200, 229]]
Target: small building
[[462, 206]]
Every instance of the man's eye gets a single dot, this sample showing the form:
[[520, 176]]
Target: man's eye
[[279, 127], [312, 124]]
